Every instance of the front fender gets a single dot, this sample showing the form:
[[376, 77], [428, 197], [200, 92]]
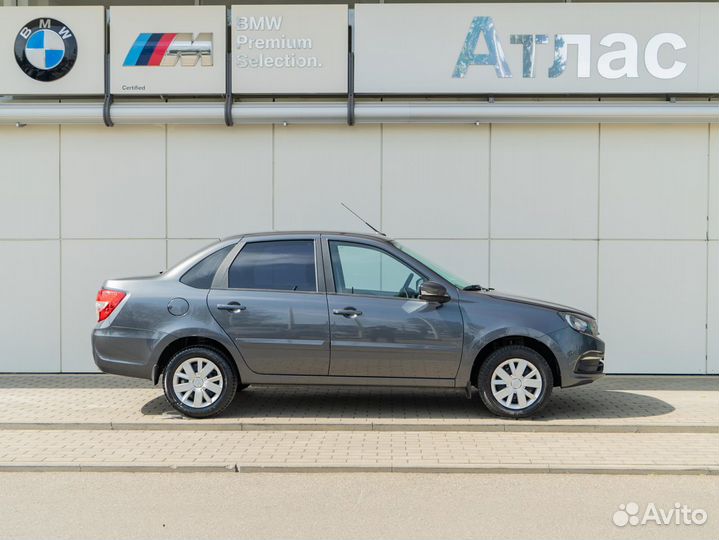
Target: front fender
[[474, 346]]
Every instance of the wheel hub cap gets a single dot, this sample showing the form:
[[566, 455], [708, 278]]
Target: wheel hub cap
[[197, 382], [516, 383]]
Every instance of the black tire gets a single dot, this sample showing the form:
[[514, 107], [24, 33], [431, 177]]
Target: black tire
[[220, 399], [515, 410]]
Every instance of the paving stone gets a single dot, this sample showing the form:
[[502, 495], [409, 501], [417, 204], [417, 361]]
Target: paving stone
[[115, 448], [96, 401]]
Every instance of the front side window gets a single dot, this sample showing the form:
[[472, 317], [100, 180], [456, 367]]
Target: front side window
[[362, 269], [282, 265], [457, 281]]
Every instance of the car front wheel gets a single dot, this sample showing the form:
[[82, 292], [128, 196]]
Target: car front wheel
[[199, 382], [515, 381]]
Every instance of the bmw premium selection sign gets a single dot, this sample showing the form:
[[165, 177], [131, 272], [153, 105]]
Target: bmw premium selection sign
[[289, 49], [167, 50], [611, 48], [51, 50]]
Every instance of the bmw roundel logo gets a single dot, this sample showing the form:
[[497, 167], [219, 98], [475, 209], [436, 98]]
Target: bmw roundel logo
[[45, 49]]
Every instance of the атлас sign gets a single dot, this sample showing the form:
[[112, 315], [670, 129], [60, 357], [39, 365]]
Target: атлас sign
[[614, 48]]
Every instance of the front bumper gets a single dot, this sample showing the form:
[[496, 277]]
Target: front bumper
[[581, 357], [126, 351]]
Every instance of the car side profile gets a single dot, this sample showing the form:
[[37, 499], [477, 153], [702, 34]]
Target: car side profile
[[338, 309]]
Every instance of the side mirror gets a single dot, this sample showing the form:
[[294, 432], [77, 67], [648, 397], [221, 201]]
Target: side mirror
[[431, 291]]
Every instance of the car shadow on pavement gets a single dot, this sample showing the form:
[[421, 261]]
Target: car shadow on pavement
[[361, 404]]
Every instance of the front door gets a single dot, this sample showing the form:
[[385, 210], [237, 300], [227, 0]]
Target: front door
[[273, 308], [379, 327]]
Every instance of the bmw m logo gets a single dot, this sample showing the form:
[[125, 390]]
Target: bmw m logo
[[45, 49], [166, 49]]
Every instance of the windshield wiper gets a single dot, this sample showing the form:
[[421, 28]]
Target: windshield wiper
[[477, 288]]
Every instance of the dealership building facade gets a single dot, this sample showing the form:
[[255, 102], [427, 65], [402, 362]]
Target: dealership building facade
[[563, 151]]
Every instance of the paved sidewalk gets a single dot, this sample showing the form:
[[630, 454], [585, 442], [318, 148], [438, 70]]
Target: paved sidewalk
[[103, 422], [359, 451], [613, 404]]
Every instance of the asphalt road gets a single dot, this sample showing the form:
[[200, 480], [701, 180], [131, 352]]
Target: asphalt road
[[357, 506]]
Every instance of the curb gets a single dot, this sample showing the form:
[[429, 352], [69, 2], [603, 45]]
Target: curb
[[532, 427], [336, 469], [115, 467], [486, 469]]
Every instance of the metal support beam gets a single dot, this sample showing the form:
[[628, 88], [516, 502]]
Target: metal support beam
[[396, 112], [107, 102]]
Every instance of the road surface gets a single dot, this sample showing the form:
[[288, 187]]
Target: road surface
[[356, 505]]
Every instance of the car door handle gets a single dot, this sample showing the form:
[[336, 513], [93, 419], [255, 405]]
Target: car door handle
[[234, 307], [347, 312]]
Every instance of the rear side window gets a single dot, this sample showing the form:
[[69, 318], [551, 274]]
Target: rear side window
[[282, 265], [201, 275]]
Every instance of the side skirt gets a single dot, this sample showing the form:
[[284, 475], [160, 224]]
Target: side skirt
[[255, 378]]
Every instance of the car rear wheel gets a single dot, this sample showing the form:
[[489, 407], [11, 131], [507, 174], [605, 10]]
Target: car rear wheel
[[199, 382], [515, 381]]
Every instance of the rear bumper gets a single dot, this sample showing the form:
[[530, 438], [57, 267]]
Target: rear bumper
[[126, 351]]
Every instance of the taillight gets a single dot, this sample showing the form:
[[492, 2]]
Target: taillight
[[106, 302]]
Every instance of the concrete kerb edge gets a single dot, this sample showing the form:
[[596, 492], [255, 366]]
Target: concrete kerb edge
[[314, 469], [237, 426], [484, 469], [116, 467]]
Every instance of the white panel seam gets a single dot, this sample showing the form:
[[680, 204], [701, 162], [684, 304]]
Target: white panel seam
[[59, 238]]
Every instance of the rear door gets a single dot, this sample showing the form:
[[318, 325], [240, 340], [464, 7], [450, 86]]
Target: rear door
[[270, 300], [379, 327]]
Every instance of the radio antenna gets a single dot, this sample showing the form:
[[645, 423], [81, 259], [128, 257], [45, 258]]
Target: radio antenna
[[355, 214]]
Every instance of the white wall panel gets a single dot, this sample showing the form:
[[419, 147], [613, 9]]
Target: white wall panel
[[219, 180], [29, 182], [714, 182], [435, 181], [652, 306], [544, 181], [178, 250], [467, 259], [653, 181], [107, 199], [317, 167], [562, 271], [713, 309], [30, 314], [86, 264], [113, 182]]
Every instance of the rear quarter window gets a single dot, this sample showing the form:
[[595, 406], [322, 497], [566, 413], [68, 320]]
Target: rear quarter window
[[201, 275]]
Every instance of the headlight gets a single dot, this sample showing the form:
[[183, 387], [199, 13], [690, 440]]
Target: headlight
[[582, 325]]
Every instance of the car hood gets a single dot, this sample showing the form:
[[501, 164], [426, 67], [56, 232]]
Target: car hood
[[534, 302]]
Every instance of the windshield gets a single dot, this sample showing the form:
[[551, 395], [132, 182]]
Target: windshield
[[455, 280]]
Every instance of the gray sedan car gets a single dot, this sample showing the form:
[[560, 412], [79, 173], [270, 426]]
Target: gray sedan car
[[336, 308]]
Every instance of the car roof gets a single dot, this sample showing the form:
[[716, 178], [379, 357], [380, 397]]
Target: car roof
[[371, 236]]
